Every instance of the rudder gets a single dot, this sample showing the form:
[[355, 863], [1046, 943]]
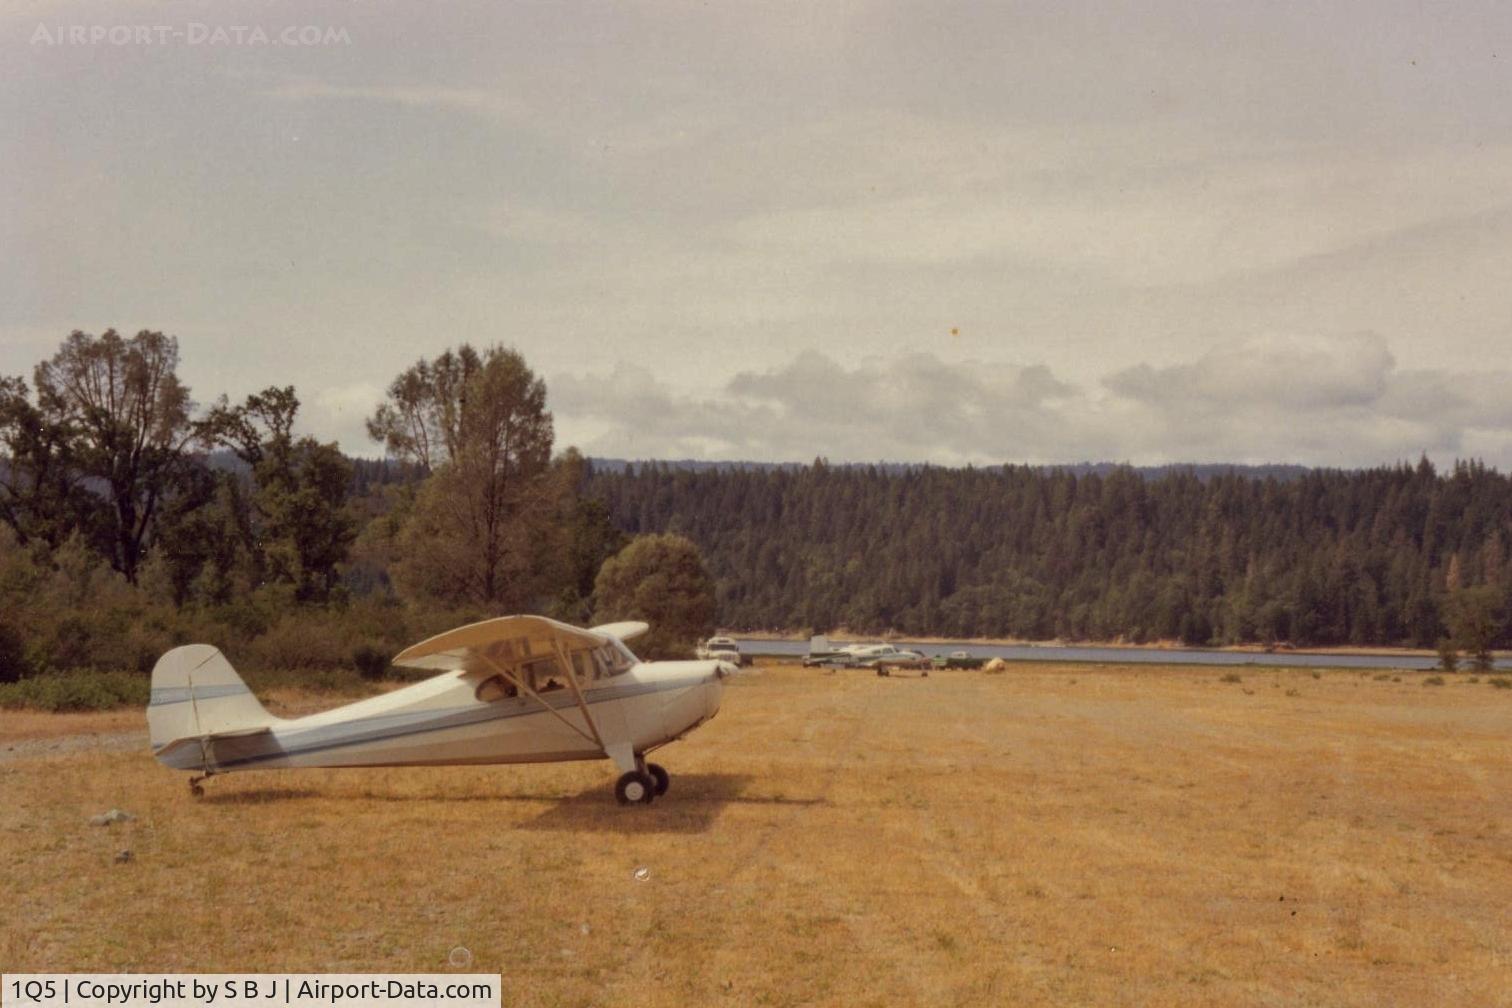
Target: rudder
[[196, 693]]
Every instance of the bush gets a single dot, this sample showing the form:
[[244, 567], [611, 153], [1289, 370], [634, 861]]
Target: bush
[[14, 663], [336, 680], [311, 639], [1500, 682], [79, 690], [371, 663], [1434, 680], [1230, 677]]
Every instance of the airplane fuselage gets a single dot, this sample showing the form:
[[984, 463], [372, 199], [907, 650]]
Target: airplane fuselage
[[443, 720]]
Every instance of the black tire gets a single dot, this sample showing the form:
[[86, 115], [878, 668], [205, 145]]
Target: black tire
[[660, 779], [634, 788]]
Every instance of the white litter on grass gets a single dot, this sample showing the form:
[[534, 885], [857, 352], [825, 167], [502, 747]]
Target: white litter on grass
[[641, 874], [115, 815]]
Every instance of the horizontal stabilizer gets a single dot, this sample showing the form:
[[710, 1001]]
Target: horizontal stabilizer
[[169, 753]]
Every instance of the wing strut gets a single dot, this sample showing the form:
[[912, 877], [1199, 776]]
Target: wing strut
[[520, 684], [565, 660]]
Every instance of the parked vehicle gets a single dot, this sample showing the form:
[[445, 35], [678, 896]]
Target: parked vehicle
[[960, 659], [722, 649], [876, 656]]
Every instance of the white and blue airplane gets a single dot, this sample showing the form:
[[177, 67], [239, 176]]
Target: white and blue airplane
[[516, 689]]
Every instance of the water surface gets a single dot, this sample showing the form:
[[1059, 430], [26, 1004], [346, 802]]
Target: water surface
[[1130, 656]]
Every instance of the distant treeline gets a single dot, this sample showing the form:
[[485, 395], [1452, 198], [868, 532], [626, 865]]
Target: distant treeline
[[1314, 557]]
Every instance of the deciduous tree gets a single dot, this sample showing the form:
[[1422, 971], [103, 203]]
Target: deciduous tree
[[126, 416], [480, 530], [660, 579], [301, 529]]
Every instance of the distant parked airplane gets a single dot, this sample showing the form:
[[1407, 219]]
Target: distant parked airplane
[[878, 656]]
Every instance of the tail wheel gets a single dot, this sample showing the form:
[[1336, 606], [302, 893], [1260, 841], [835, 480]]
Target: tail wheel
[[660, 779], [634, 788]]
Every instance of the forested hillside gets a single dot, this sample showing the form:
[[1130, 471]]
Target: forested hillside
[[1381, 556]]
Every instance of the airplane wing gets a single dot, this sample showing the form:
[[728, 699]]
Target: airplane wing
[[502, 641], [498, 646], [628, 630]]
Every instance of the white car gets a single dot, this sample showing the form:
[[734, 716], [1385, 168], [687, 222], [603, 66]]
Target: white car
[[720, 649]]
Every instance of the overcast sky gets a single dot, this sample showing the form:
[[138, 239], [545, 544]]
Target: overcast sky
[[980, 233]]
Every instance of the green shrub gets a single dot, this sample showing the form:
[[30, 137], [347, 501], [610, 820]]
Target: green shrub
[[312, 639], [1500, 682], [1434, 680], [371, 663], [79, 690], [1230, 677], [337, 679], [14, 663]]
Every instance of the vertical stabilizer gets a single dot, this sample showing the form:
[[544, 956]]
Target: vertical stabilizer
[[196, 693]]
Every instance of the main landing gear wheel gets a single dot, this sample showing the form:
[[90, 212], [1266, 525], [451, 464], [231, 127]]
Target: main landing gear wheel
[[635, 788], [660, 779]]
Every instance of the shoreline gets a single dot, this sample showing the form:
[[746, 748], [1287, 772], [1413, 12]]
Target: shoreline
[[1363, 650]]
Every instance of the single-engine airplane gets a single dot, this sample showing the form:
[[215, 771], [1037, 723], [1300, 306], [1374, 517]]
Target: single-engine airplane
[[516, 689]]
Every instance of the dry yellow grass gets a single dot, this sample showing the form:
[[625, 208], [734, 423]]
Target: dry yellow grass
[[1055, 835]]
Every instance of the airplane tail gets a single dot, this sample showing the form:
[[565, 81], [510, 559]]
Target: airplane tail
[[196, 694]]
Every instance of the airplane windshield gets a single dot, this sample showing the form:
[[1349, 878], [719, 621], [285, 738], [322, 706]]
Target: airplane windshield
[[614, 657]]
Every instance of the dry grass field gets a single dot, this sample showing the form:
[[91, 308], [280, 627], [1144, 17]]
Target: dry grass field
[[1054, 835]]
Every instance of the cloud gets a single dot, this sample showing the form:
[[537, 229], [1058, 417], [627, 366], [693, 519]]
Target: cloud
[[484, 102], [914, 406], [1338, 401], [1280, 371], [339, 413]]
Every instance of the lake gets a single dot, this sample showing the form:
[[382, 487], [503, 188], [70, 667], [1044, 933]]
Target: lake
[[1130, 656]]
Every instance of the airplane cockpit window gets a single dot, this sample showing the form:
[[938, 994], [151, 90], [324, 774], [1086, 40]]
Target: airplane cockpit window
[[538, 674], [612, 659], [625, 656], [582, 664], [544, 675]]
